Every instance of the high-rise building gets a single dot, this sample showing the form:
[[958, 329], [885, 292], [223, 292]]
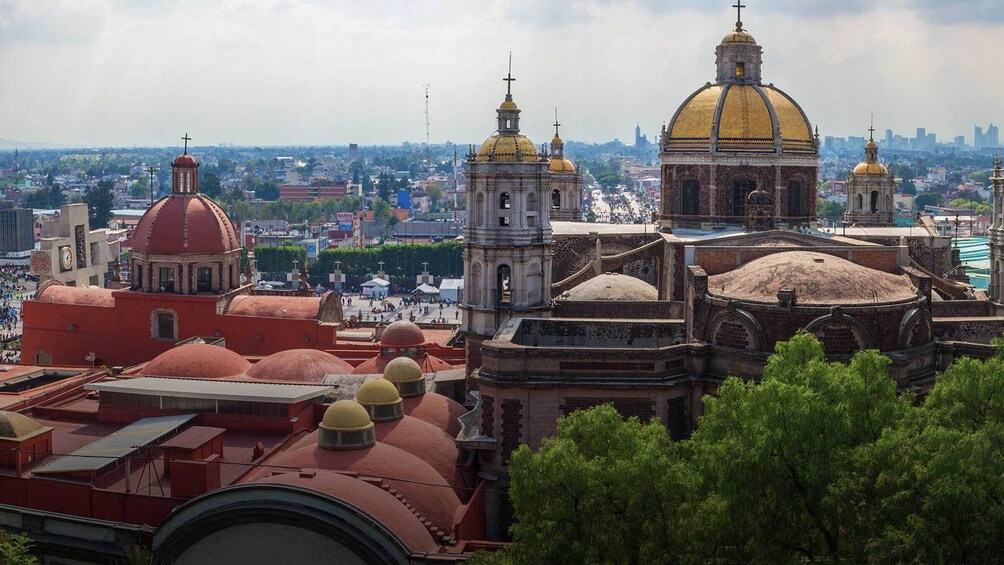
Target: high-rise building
[[993, 136], [17, 229], [978, 142], [888, 139]]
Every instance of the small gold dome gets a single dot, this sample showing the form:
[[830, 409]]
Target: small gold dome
[[864, 168], [738, 37], [403, 370], [561, 165], [556, 140], [500, 147], [508, 105], [871, 144], [377, 391], [346, 415]]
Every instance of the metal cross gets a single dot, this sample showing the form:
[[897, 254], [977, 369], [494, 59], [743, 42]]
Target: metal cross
[[187, 139], [338, 265], [556, 124], [871, 130], [425, 266], [381, 265], [508, 79], [739, 14]]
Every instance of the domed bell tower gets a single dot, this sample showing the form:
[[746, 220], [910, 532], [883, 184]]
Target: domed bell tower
[[738, 56], [507, 237], [997, 237], [566, 185], [870, 189]]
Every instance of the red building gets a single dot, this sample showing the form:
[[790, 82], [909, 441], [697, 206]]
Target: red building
[[317, 190]]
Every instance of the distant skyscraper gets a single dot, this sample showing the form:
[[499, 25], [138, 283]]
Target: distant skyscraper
[[978, 142], [960, 141], [640, 141], [993, 136], [888, 138]]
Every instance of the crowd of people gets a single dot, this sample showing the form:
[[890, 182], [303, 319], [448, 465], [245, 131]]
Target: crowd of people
[[15, 283]]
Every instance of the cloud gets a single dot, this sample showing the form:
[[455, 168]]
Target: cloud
[[51, 21]]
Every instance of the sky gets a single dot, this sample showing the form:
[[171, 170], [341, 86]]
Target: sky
[[331, 72]]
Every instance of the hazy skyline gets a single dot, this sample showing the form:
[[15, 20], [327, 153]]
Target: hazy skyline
[[315, 72]]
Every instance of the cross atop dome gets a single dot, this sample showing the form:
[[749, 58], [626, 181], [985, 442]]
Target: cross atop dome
[[556, 124], [186, 139], [509, 80], [871, 130], [739, 14]]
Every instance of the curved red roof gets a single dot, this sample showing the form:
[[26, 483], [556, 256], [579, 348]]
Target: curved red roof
[[436, 409], [402, 334], [80, 296], [369, 498], [185, 160], [420, 484], [297, 307], [196, 361], [376, 365], [298, 365], [185, 223], [425, 441]]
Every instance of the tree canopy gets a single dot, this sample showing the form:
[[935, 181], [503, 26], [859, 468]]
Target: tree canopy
[[819, 462], [100, 200]]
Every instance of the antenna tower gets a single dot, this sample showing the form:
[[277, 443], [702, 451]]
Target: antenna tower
[[426, 119]]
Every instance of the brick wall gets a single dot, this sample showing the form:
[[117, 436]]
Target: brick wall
[[512, 426], [838, 339], [960, 309], [732, 334], [642, 408], [487, 415]]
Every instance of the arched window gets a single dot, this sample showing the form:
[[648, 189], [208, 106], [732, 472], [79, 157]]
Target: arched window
[[504, 201], [740, 190], [555, 199], [690, 194], [861, 202], [875, 201], [531, 202], [479, 209], [503, 286], [474, 285], [796, 199]]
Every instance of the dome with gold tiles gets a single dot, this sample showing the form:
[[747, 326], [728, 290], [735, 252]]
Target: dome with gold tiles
[[560, 165], [740, 118], [508, 147], [865, 168], [739, 36]]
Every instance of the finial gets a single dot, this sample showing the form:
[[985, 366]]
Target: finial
[[739, 15], [997, 164], [508, 79], [871, 130], [187, 139], [817, 131], [556, 124]]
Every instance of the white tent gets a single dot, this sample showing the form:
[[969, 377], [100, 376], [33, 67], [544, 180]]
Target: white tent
[[376, 288], [452, 290], [425, 289]]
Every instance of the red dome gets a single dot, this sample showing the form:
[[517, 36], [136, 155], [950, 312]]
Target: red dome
[[437, 410], [376, 365], [420, 484], [372, 499], [402, 334], [425, 441], [185, 160], [185, 223], [196, 361], [298, 365]]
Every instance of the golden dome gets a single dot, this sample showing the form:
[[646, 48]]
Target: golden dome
[[865, 168], [378, 391], [560, 165], [740, 118], [508, 105], [871, 144], [738, 37], [403, 370], [346, 415], [501, 147]]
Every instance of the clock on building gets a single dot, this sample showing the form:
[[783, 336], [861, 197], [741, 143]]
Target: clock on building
[[65, 258]]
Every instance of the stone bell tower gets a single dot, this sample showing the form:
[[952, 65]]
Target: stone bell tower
[[507, 238]]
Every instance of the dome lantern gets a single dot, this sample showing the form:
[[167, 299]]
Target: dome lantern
[[185, 172], [738, 56], [346, 425], [381, 400]]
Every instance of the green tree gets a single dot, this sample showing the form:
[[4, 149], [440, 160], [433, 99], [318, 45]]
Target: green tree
[[435, 193], [16, 549], [907, 187], [618, 491], [46, 198], [979, 177], [829, 208], [926, 199], [276, 260], [100, 199], [210, 185], [140, 188]]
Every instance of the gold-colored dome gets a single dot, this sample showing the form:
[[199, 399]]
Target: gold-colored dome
[[738, 37], [378, 391], [745, 121], [501, 147], [871, 144], [346, 415], [560, 165], [508, 105], [865, 168], [403, 370]]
